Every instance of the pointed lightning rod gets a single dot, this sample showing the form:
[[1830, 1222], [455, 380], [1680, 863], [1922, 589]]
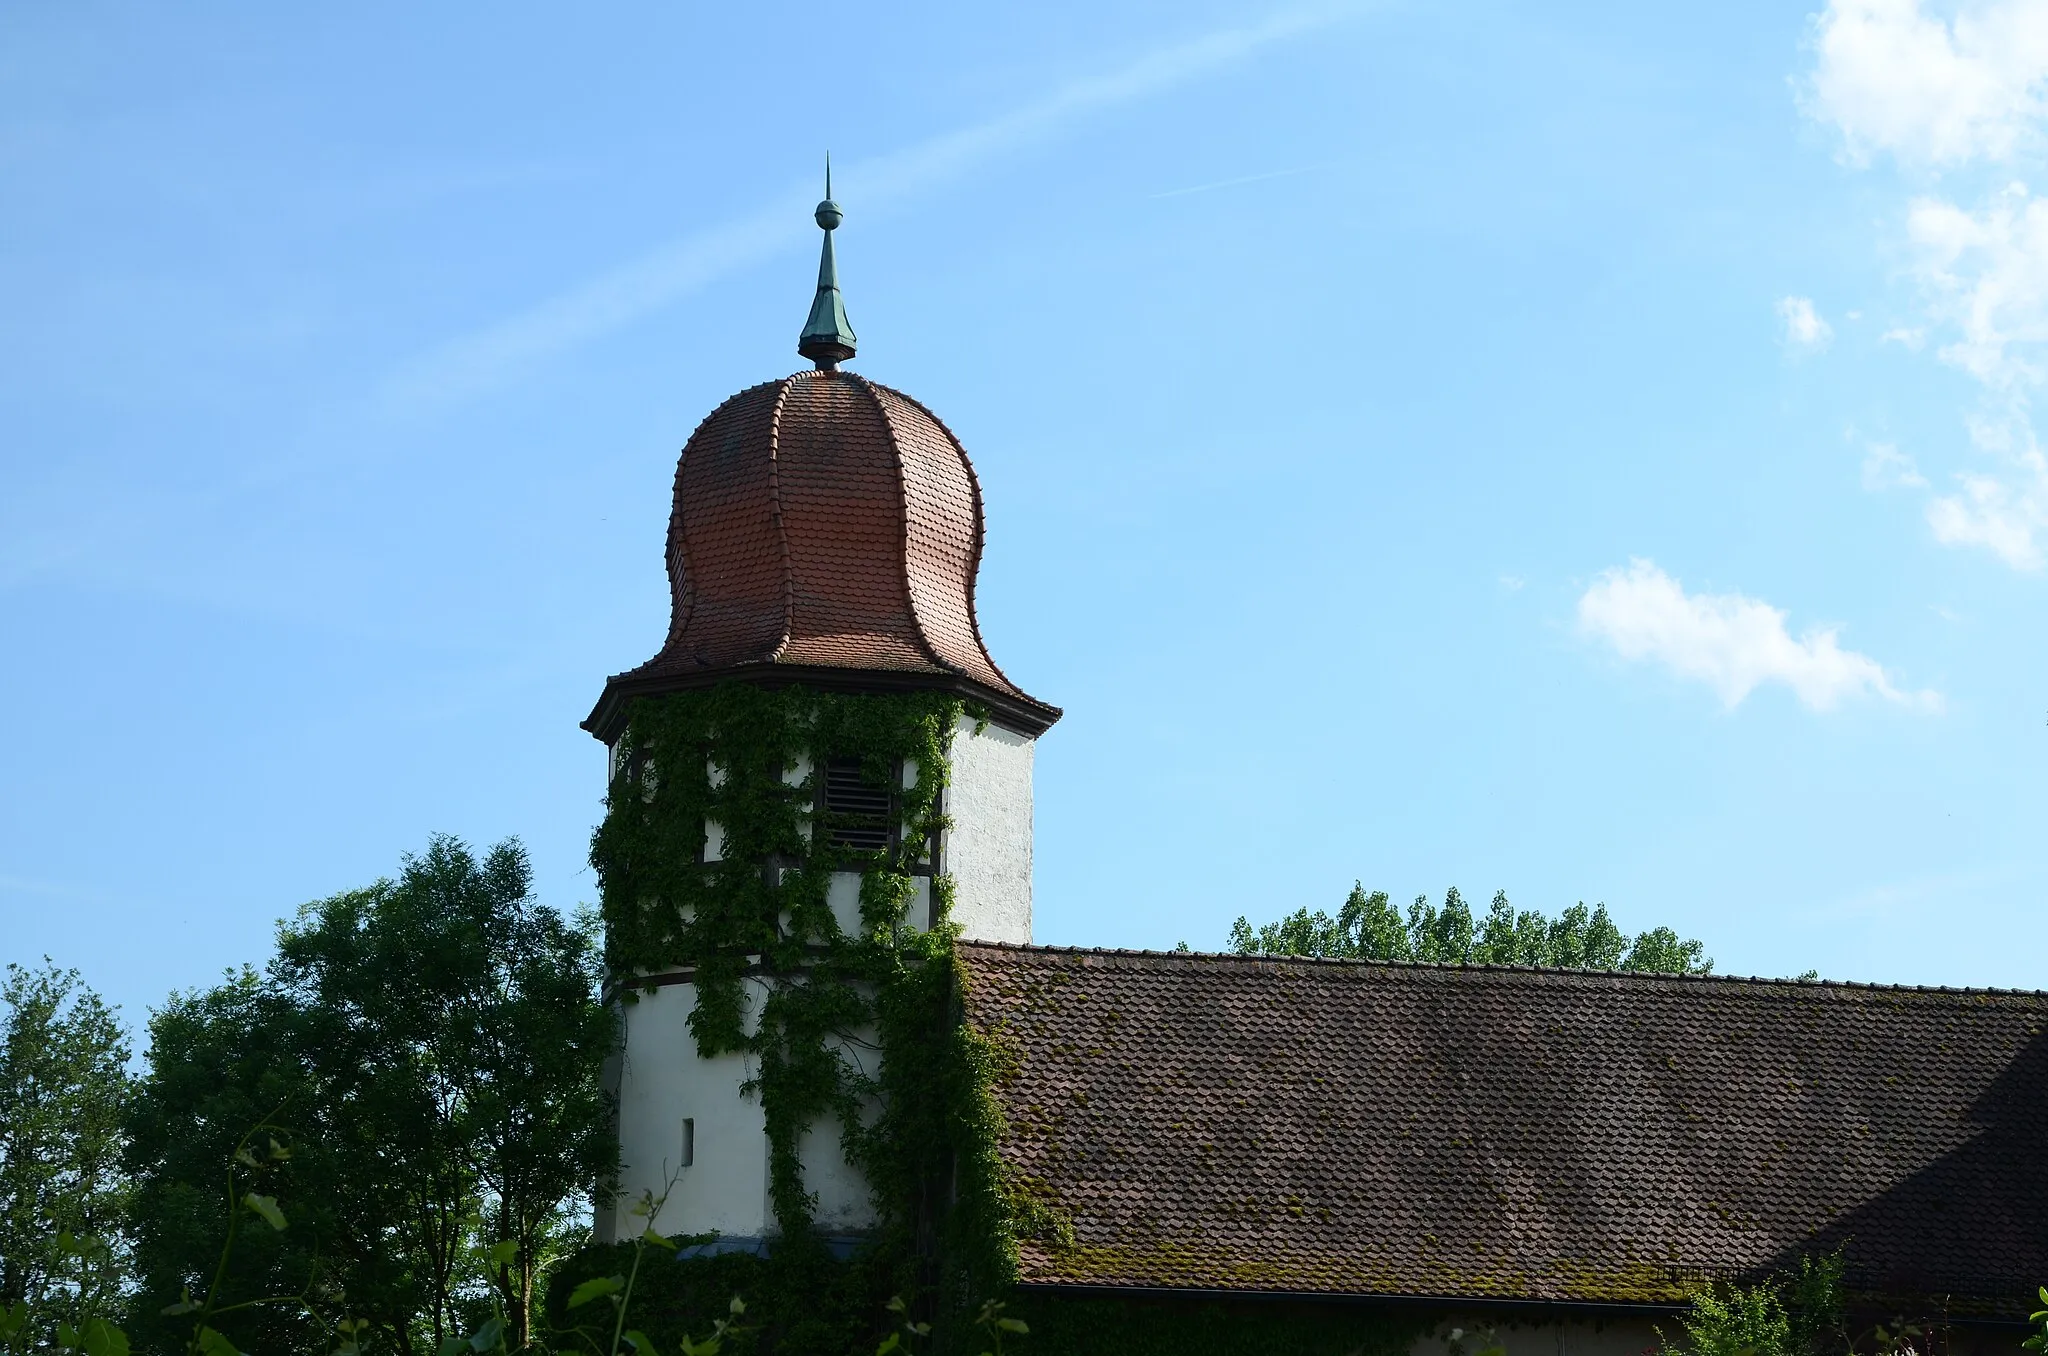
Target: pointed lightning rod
[[827, 339]]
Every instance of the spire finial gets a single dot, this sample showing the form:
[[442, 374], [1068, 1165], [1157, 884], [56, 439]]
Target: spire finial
[[827, 339]]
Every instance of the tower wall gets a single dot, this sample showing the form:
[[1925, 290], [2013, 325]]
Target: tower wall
[[724, 1188], [662, 1082], [987, 850]]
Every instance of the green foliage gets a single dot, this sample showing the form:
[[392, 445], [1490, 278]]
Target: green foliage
[[2039, 1340], [431, 1048], [1736, 1321], [63, 1077], [1799, 1312], [922, 1122], [799, 1302], [220, 1061], [998, 1327], [1369, 927], [257, 1158], [571, 1330]]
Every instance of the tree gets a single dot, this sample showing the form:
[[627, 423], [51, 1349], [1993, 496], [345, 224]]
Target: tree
[[221, 1061], [1369, 927], [63, 1076], [434, 1043]]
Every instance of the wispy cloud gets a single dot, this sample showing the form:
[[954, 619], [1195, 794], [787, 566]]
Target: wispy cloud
[[1728, 641], [1986, 275], [2007, 516], [1951, 93], [1887, 468], [476, 362], [1804, 328]]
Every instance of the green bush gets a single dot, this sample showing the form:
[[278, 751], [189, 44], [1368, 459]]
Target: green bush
[[1796, 1313]]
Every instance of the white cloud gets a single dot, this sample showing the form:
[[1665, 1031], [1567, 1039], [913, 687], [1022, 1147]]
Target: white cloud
[[1804, 327], [1887, 468], [1986, 274], [1892, 77], [1728, 641], [492, 355], [2007, 517], [1942, 90]]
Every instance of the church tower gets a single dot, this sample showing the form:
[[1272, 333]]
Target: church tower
[[822, 552]]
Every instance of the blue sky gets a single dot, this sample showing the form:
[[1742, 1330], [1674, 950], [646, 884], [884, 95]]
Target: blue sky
[[1585, 450]]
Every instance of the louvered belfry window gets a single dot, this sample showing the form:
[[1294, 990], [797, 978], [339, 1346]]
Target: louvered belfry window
[[857, 811]]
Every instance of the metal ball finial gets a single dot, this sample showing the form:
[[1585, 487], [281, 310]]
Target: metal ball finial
[[827, 339]]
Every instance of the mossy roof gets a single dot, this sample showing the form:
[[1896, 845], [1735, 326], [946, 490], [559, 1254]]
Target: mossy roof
[[1489, 1133]]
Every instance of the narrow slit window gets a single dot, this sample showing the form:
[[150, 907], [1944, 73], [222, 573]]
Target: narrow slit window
[[857, 811], [689, 1141]]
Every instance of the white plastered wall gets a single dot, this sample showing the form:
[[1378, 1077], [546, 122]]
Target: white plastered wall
[[987, 851], [843, 1202], [842, 895], [663, 1081], [725, 1186]]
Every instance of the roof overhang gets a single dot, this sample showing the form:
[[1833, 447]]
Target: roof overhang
[[1523, 1309], [1014, 712], [1515, 1309]]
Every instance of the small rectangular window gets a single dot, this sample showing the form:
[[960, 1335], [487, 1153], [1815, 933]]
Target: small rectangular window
[[689, 1141], [857, 811]]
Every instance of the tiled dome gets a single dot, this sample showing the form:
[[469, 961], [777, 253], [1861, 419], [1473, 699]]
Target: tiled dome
[[826, 529]]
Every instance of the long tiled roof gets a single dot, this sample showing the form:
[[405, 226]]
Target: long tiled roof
[[827, 527], [1287, 1125]]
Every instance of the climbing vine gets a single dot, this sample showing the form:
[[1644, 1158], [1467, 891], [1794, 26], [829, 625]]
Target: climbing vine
[[733, 774]]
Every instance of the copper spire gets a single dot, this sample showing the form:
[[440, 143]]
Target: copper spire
[[827, 339]]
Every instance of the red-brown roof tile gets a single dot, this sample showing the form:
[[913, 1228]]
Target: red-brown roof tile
[[824, 527], [1287, 1125]]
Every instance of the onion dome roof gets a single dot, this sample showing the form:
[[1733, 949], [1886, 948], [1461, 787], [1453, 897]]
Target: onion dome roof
[[826, 529]]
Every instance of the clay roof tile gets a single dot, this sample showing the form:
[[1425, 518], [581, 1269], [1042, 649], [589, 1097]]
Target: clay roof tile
[[827, 528], [1290, 1125]]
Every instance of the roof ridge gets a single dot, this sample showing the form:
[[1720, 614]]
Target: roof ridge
[[980, 526], [873, 390], [775, 517], [1564, 970]]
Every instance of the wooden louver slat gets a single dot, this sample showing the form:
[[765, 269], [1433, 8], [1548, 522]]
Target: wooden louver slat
[[857, 812]]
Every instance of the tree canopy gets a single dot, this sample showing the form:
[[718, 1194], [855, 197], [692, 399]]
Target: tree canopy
[[1369, 927], [428, 1052], [63, 1075]]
